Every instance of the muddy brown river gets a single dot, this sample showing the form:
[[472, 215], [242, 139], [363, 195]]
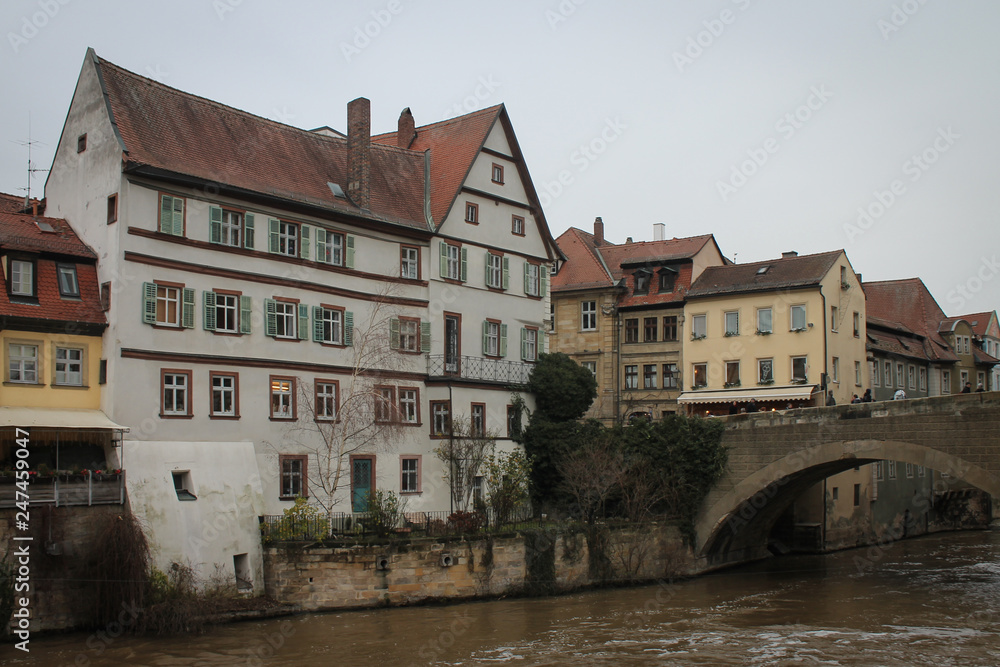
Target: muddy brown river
[[929, 601]]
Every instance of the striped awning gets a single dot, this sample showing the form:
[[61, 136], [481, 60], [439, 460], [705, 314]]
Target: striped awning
[[792, 392]]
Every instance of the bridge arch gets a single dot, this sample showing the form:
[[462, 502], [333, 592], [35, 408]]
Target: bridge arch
[[733, 526]]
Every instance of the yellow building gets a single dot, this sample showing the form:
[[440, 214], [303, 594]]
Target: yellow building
[[766, 335]]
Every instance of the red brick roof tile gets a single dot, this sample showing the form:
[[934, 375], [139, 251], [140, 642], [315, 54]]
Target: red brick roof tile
[[909, 302], [20, 231], [979, 322], [782, 273]]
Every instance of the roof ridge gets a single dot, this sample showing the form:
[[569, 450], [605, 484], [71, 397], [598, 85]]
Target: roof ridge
[[495, 109]]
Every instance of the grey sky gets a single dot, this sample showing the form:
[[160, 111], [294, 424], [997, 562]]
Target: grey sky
[[638, 112]]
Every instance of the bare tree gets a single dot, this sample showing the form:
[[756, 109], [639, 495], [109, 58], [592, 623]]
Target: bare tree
[[463, 455], [592, 474]]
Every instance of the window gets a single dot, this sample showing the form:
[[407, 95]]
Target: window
[[641, 282], [409, 474], [921, 471], [667, 279], [649, 376], [836, 492], [23, 363], [293, 476], [857, 495], [286, 320], [798, 318], [68, 285], [171, 215], [900, 379], [69, 366], [909, 471], [407, 336], [800, 369], [835, 369], [963, 378], [225, 227], [733, 323], [282, 397], [590, 366], [112, 208], [176, 393], [22, 277], [632, 330], [631, 377], [328, 325], [168, 305], [409, 262], [876, 373], [477, 420], [472, 213], [517, 225], [699, 326], [81, 143], [226, 311], [700, 374], [671, 377], [183, 484], [385, 403], [409, 406], [945, 382], [529, 343], [857, 373], [284, 237], [326, 400], [532, 280], [588, 315], [285, 315], [453, 262], [497, 173], [765, 371], [224, 395], [440, 418], [888, 374], [857, 324], [834, 321], [492, 335], [649, 329], [106, 296], [764, 322], [497, 271], [732, 373], [879, 471], [892, 470], [670, 328], [911, 376]]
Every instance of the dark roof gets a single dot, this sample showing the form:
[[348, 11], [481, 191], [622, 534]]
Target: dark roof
[[20, 231], [910, 303], [979, 322], [220, 144], [783, 273]]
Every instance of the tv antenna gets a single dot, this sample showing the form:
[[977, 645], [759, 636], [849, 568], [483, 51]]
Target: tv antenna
[[32, 169]]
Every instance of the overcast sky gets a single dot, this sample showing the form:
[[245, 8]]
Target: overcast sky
[[772, 125]]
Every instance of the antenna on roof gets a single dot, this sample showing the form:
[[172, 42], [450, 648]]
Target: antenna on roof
[[31, 167]]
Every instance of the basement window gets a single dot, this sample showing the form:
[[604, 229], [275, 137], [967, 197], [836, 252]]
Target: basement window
[[241, 564], [182, 485]]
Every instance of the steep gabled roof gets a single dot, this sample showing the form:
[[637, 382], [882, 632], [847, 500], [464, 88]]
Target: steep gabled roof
[[24, 232], [783, 273], [909, 302], [584, 268], [164, 129], [980, 322]]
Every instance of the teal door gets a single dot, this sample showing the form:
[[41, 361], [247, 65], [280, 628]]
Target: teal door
[[362, 481]]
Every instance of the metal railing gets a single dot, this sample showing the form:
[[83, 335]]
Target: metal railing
[[480, 368], [65, 490]]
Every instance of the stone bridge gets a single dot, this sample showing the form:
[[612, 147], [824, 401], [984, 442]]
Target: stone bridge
[[775, 456]]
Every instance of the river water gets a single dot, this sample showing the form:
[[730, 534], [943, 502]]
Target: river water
[[929, 601]]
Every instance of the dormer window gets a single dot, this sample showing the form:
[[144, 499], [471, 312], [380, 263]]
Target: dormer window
[[642, 282], [22, 277], [69, 286], [667, 279]]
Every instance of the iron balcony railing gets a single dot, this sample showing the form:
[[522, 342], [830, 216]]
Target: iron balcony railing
[[64, 490], [481, 369]]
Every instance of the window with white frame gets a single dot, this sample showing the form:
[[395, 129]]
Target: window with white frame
[[945, 382], [409, 334], [472, 213], [223, 395], [517, 225], [887, 371], [923, 379], [491, 338], [409, 473], [69, 366], [588, 315], [671, 376], [649, 376], [590, 366], [529, 344], [834, 319], [494, 271], [911, 376], [531, 279], [764, 321], [176, 393], [282, 398], [699, 375], [408, 404], [892, 469], [798, 318], [900, 377], [440, 418], [477, 419], [732, 323], [385, 402], [285, 316], [226, 227], [631, 376], [288, 239], [22, 363], [409, 262], [326, 400], [800, 369], [876, 371], [69, 286], [857, 373], [453, 262], [330, 247], [328, 325], [168, 305], [699, 326], [227, 313], [835, 369], [22, 277]]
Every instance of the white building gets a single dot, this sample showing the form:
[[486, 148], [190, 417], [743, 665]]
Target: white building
[[245, 262]]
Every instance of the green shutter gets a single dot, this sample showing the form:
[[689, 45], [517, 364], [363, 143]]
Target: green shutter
[[318, 324], [506, 273], [149, 303], [348, 328], [320, 244], [488, 256], [503, 340], [425, 337], [465, 262], [394, 333], [524, 343], [349, 251], [304, 241], [486, 336], [209, 320], [444, 259], [166, 214], [527, 281], [178, 229], [303, 321], [187, 320], [271, 318], [248, 239], [543, 280], [273, 226], [214, 224], [246, 314]]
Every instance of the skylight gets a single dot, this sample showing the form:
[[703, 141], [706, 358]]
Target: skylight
[[44, 226], [762, 270]]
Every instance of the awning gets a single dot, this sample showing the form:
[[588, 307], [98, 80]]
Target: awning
[[56, 418], [794, 392]]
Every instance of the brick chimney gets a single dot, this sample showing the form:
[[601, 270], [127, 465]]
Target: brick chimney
[[359, 163], [598, 231], [789, 254], [407, 129]]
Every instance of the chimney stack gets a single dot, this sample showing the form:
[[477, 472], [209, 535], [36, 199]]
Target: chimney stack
[[406, 131], [359, 125], [659, 231], [790, 253], [598, 231]]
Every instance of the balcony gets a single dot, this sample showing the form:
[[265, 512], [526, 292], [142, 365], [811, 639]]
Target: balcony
[[64, 490], [480, 369]]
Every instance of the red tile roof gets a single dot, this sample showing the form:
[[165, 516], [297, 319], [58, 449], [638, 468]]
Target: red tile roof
[[22, 232], [980, 322], [11, 203], [583, 268], [909, 302], [166, 129], [896, 343], [783, 273]]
